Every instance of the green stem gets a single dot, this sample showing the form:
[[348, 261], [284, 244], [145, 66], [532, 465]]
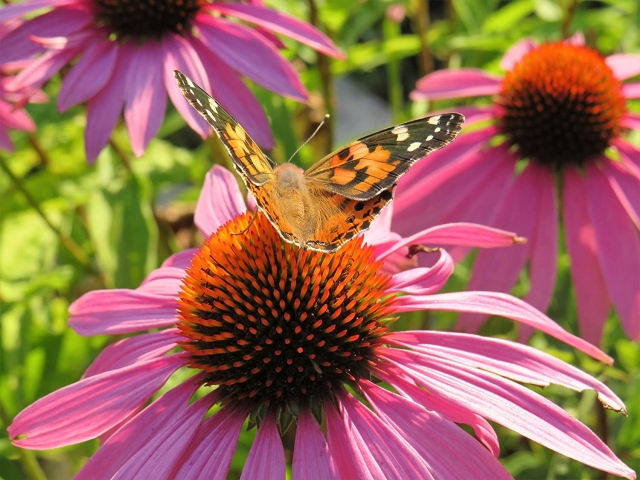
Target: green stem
[[73, 248], [570, 11], [122, 156], [42, 154], [421, 22], [392, 30]]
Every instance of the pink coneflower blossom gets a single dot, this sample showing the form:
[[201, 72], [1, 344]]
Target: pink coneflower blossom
[[553, 132], [11, 116], [288, 337], [126, 53]]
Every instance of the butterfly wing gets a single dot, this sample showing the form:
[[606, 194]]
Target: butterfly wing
[[372, 164], [254, 167], [339, 219]]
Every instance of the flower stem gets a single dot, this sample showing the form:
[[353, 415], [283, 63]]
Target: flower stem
[[421, 25], [570, 11], [392, 30], [122, 156], [42, 154], [73, 248]]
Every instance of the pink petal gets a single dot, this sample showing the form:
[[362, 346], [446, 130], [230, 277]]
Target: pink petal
[[9, 12], [380, 228], [39, 71], [631, 120], [249, 54], [5, 140], [626, 186], [576, 39], [311, 457], [136, 433], [466, 82], [145, 96], [422, 281], [18, 45], [498, 270], [103, 109], [266, 457], [624, 65], [591, 292], [395, 456], [179, 54], [120, 311], [351, 454], [88, 75], [631, 90], [494, 303], [507, 403], [280, 23], [516, 52], [181, 259], [630, 155], [132, 350], [163, 281], [17, 119], [158, 457], [211, 451], [231, 92], [618, 244], [506, 358], [219, 201], [455, 453], [90, 407], [543, 254]]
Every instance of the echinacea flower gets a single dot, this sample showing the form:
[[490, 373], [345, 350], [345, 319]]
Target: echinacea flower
[[11, 116], [126, 53], [555, 133], [284, 336]]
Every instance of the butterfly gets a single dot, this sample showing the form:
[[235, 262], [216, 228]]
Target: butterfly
[[338, 197]]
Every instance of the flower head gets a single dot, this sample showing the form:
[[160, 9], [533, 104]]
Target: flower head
[[283, 337], [558, 117], [126, 53]]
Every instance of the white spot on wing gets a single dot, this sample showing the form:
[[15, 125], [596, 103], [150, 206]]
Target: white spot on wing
[[434, 120], [429, 138], [413, 146], [402, 132]]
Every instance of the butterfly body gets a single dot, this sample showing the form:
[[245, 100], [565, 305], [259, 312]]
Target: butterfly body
[[339, 196]]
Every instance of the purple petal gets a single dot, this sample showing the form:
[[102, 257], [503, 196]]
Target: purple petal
[[136, 433], [311, 457], [213, 446], [626, 186], [5, 140], [624, 65], [618, 249], [631, 90], [631, 120], [231, 92], [179, 55], [90, 407], [181, 259], [516, 52], [280, 23], [266, 457], [88, 75], [39, 71], [9, 12], [251, 55], [466, 82], [494, 303], [219, 201], [129, 351], [592, 297], [145, 97], [120, 311]]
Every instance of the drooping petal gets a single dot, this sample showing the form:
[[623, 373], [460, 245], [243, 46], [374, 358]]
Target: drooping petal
[[618, 242], [136, 433], [516, 52], [9, 12], [179, 55], [630, 154], [159, 456], [631, 120], [494, 303], [449, 451], [380, 230], [626, 186], [128, 351], [592, 298], [506, 358], [211, 451], [631, 90], [465, 82], [311, 457], [231, 92], [89, 75], [12, 118], [219, 201], [421, 280], [624, 65], [163, 281], [145, 97], [36, 74], [181, 259], [120, 311], [90, 407], [507, 403], [266, 457], [280, 23], [251, 55]]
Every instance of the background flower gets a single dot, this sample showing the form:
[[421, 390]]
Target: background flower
[[280, 332], [126, 53], [563, 107]]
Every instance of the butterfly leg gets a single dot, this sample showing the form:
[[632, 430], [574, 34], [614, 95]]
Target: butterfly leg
[[255, 214]]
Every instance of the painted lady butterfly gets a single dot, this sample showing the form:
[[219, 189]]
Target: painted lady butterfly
[[339, 196]]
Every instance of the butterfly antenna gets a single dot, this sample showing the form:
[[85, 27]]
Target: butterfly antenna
[[309, 139]]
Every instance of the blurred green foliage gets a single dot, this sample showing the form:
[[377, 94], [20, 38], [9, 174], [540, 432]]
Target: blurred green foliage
[[127, 215]]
